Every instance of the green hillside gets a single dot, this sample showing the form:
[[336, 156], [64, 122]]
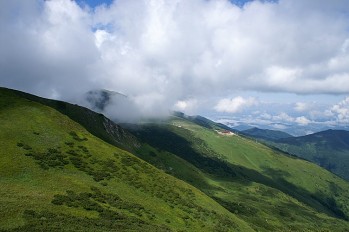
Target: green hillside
[[329, 149], [95, 123], [56, 176], [267, 189]]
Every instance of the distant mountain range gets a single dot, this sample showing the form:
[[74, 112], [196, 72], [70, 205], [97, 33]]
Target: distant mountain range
[[266, 134], [329, 149], [289, 128]]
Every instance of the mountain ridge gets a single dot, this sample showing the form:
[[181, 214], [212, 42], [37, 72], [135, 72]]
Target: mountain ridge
[[56, 176], [266, 133], [328, 149], [176, 141], [259, 188]]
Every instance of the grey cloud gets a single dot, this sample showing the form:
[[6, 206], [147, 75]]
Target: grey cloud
[[159, 52]]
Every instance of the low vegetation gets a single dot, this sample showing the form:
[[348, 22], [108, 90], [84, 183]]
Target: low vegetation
[[56, 176], [270, 190]]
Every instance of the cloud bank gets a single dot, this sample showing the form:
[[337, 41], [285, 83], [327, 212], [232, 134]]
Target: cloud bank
[[298, 118], [341, 111], [234, 105], [164, 53]]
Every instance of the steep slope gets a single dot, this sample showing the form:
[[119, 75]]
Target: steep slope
[[96, 123], [271, 191], [56, 176], [329, 149], [265, 134]]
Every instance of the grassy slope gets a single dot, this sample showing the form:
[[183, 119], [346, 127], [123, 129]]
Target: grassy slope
[[329, 149], [267, 189], [95, 123], [56, 176]]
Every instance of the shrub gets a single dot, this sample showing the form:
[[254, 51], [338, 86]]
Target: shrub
[[20, 144], [70, 144], [76, 136]]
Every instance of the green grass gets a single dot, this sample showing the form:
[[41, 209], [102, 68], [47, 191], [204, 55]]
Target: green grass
[[267, 189], [95, 123], [56, 176]]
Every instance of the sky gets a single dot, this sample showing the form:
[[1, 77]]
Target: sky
[[273, 64]]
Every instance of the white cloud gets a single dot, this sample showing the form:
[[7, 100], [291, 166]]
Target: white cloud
[[283, 117], [281, 76], [302, 120], [187, 106], [341, 111], [181, 105], [266, 116], [235, 104], [161, 51], [301, 106], [279, 127]]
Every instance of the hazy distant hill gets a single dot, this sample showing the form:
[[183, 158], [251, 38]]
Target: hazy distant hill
[[329, 149], [266, 134]]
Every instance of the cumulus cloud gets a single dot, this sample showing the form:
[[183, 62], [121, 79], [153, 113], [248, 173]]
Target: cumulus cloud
[[234, 105], [301, 106], [341, 111], [161, 51], [46, 48], [282, 117], [302, 120], [286, 118], [187, 106]]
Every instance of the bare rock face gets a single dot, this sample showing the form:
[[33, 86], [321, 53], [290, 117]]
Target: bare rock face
[[119, 134]]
